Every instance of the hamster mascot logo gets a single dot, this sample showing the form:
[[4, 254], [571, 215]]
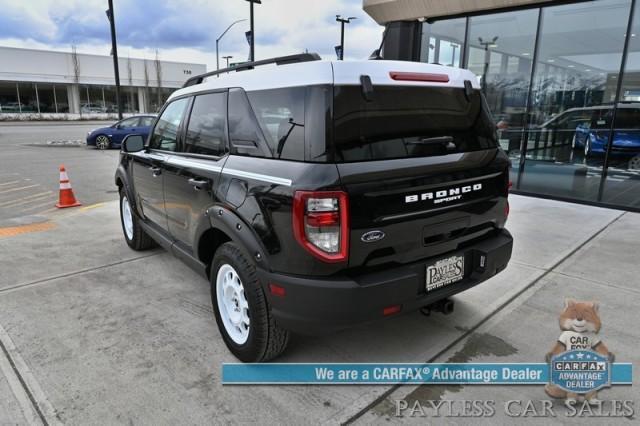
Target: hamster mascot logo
[[579, 360]]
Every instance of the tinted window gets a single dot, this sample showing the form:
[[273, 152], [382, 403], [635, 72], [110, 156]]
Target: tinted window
[[146, 121], [628, 119], [206, 132], [280, 113], [404, 122], [165, 134], [244, 131], [128, 123]]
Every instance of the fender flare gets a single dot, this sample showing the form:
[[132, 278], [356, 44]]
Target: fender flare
[[121, 175], [227, 221]]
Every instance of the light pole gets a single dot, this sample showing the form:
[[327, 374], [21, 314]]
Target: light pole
[[227, 58], [252, 49], [486, 45], [342, 22], [222, 35], [114, 52]]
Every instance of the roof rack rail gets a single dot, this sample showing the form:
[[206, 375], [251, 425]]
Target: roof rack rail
[[282, 60]]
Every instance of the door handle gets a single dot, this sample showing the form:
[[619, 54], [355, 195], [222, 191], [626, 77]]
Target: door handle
[[199, 185], [156, 171]]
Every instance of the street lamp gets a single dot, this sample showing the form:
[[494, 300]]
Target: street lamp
[[218, 41], [343, 21], [227, 58], [486, 44], [252, 49], [114, 52]]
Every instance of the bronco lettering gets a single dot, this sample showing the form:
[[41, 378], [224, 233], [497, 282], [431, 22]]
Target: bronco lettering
[[443, 195]]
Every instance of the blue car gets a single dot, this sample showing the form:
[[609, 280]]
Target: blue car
[[112, 136], [593, 137]]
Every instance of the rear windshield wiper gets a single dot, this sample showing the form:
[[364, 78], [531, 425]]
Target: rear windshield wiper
[[446, 141], [284, 138]]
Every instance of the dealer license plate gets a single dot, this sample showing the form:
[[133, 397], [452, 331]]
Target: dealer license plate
[[445, 272]]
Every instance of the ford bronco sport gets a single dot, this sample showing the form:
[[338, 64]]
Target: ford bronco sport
[[316, 195]]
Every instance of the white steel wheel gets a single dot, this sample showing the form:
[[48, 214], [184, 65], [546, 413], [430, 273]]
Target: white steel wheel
[[102, 142], [634, 163], [232, 304], [127, 218]]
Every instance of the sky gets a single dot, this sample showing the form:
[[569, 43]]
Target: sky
[[186, 30]]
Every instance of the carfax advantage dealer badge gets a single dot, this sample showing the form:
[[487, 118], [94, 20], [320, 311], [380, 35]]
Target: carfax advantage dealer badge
[[580, 371]]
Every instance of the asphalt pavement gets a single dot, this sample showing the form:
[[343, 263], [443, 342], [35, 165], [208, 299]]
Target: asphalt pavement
[[29, 178]]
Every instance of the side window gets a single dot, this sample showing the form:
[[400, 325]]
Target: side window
[[280, 113], [207, 132], [244, 132], [165, 134], [128, 123], [146, 121]]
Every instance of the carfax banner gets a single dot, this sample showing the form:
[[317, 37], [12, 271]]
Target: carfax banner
[[572, 374]]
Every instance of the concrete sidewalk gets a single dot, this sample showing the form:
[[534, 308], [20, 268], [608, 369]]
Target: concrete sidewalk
[[104, 334]]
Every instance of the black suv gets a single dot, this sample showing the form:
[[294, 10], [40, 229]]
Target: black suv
[[316, 195]]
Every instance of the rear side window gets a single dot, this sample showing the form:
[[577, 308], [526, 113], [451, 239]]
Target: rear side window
[[403, 121], [129, 123], [206, 131], [165, 134], [245, 134], [280, 114], [146, 121]]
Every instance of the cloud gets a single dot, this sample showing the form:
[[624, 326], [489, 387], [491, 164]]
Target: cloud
[[172, 26]]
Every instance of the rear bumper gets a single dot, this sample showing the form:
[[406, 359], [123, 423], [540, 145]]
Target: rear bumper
[[323, 305]]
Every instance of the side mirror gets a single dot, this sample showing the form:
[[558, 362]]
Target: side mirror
[[133, 143]]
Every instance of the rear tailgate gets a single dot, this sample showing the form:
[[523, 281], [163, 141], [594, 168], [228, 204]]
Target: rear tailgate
[[405, 210], [421, 166]]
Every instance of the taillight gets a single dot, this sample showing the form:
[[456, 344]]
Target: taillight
[[321, 223]]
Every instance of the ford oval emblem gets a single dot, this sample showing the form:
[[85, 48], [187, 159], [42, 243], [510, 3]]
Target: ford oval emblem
[[372, 236]]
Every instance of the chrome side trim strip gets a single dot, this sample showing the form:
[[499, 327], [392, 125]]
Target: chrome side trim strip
[[184, 162], [258, 176]]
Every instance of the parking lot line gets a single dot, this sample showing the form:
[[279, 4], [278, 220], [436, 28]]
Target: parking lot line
[[18, 189], [24, 200], [9, 183], [92, 206], [12, 231], [37, 206]]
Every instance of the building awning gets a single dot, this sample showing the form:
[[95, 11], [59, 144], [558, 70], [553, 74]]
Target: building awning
[[384, 11]]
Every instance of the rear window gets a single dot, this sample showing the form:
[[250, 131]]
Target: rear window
[[403, 122]]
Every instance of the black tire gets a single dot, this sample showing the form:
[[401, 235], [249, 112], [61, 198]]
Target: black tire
[[265, 340], [139, 240], [100, 144]]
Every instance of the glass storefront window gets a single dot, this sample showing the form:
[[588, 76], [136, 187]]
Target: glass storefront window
[[500, 53], [622, 185], [442, 42], [8, 97], [46, 97], [130, 100], [580, 51], [62, 100], [27, 97]]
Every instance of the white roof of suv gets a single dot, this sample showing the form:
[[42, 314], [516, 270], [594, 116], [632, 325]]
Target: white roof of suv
[[313, 73]]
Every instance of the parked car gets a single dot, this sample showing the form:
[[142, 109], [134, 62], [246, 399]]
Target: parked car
[[112, 136], [89, 108], [317, 195], [593, 136]]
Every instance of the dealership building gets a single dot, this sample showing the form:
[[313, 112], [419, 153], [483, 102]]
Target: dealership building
[[562, 79], [47, 82]]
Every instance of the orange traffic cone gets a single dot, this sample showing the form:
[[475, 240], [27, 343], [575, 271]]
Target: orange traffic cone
[[67, 199]]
